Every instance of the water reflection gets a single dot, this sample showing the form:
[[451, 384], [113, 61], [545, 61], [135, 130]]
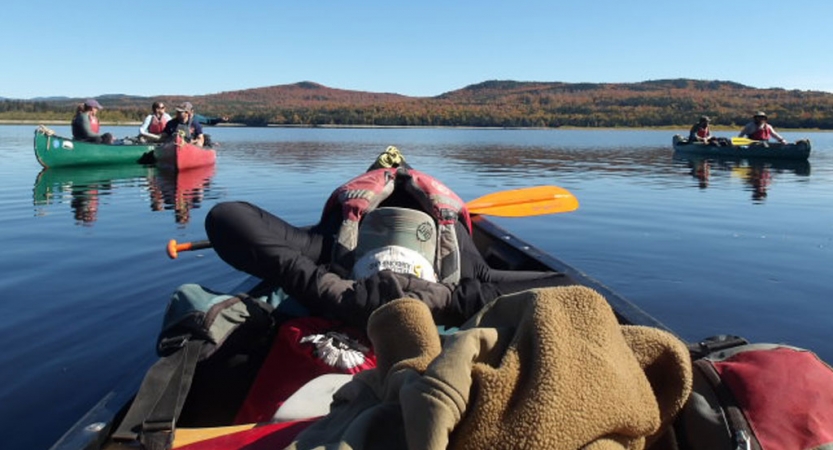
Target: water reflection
[[84, 188], [757, 173], [179, 191]]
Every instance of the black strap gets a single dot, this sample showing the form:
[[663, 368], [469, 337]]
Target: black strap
[[152, 416], [742, 432]]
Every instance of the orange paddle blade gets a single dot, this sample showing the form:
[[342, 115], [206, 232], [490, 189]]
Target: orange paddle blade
[[533, 201]]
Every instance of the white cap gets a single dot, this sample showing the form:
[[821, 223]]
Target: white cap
[[396, 259]]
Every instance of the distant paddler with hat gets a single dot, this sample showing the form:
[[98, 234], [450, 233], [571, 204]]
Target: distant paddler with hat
[[700, 132], [760, 130]]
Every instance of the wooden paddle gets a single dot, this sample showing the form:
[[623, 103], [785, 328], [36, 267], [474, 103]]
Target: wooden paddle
[[739, 141], [525, 202]]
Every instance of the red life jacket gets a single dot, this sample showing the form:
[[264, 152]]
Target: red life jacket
[[157, 124], [703, 132], [94, 123], [366, 192], [762, 133]]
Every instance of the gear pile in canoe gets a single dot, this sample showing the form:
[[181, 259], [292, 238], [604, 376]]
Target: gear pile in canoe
[[573, 365]]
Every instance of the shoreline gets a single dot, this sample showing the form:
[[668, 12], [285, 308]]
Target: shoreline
[[240, 125]]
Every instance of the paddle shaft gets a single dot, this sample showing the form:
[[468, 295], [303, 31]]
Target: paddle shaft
[[525, 202]]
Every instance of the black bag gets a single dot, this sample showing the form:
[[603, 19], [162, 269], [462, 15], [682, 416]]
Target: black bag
[[200, 327]]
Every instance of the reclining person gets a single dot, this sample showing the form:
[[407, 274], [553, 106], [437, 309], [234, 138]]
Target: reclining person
[[375, 242]]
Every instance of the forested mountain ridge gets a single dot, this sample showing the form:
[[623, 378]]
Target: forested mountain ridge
[[496, 103]]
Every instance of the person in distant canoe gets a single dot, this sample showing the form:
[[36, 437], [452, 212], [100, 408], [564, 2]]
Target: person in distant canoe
[[183, 124], [760, 130], [700, 132], [154, 124], [85, 125]]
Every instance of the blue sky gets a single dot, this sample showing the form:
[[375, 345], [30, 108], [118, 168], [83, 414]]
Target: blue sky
[[419, 48]]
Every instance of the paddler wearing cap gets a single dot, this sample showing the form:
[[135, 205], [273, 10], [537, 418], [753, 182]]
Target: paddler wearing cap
[[184, 125], [700, 131], [85, 126], [760, 129], [389, 233]]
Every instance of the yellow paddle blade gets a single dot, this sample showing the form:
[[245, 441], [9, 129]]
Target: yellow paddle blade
[[533, 201], [743, 141], [185, 436]]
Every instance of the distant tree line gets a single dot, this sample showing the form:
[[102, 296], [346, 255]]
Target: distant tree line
[[658, 103]]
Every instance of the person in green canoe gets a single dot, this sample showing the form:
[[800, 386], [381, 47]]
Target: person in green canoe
[[85, 123]]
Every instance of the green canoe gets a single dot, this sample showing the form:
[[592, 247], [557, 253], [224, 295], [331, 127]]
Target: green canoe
[[52, 150]]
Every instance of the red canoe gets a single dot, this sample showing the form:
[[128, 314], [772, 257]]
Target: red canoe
[[180, 155]]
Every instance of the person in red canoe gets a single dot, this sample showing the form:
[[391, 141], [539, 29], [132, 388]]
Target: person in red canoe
[[184, 125], [760, 130], [154, 124], [389, 233]]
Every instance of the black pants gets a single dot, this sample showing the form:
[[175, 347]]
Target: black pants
[[254, 241]]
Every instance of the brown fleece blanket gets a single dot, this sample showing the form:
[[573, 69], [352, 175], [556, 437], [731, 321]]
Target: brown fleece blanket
[[548, 368]]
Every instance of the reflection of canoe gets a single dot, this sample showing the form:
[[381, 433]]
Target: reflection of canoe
[[53, 181], [180, 155], [55, 151], [179, 191], [799, 150], [501, 249], [798, 167]]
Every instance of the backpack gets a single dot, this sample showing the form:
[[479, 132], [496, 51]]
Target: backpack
[[756, 396], [244, 354], [201, 326]]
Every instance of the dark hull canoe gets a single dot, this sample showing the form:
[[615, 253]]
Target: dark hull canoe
[[799, 150], [501, 249], [52, 151], [181, 155]]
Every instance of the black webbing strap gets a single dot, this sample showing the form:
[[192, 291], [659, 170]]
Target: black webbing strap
[[152, 416]]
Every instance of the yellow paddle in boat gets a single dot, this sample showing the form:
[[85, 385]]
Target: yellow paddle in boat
[[739, 141], [525, 202]]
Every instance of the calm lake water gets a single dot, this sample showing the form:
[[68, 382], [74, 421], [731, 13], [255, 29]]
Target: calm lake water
[[729, 247]]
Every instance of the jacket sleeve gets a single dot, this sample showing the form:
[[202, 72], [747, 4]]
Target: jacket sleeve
[[328, 294]]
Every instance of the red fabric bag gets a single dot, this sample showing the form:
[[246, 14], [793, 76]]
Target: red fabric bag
[[759, 396], [303, 349]]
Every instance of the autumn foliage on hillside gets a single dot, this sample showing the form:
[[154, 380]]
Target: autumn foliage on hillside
[[489, 104]]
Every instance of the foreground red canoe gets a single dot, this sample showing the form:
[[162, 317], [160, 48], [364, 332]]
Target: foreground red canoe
[[180, 155]]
